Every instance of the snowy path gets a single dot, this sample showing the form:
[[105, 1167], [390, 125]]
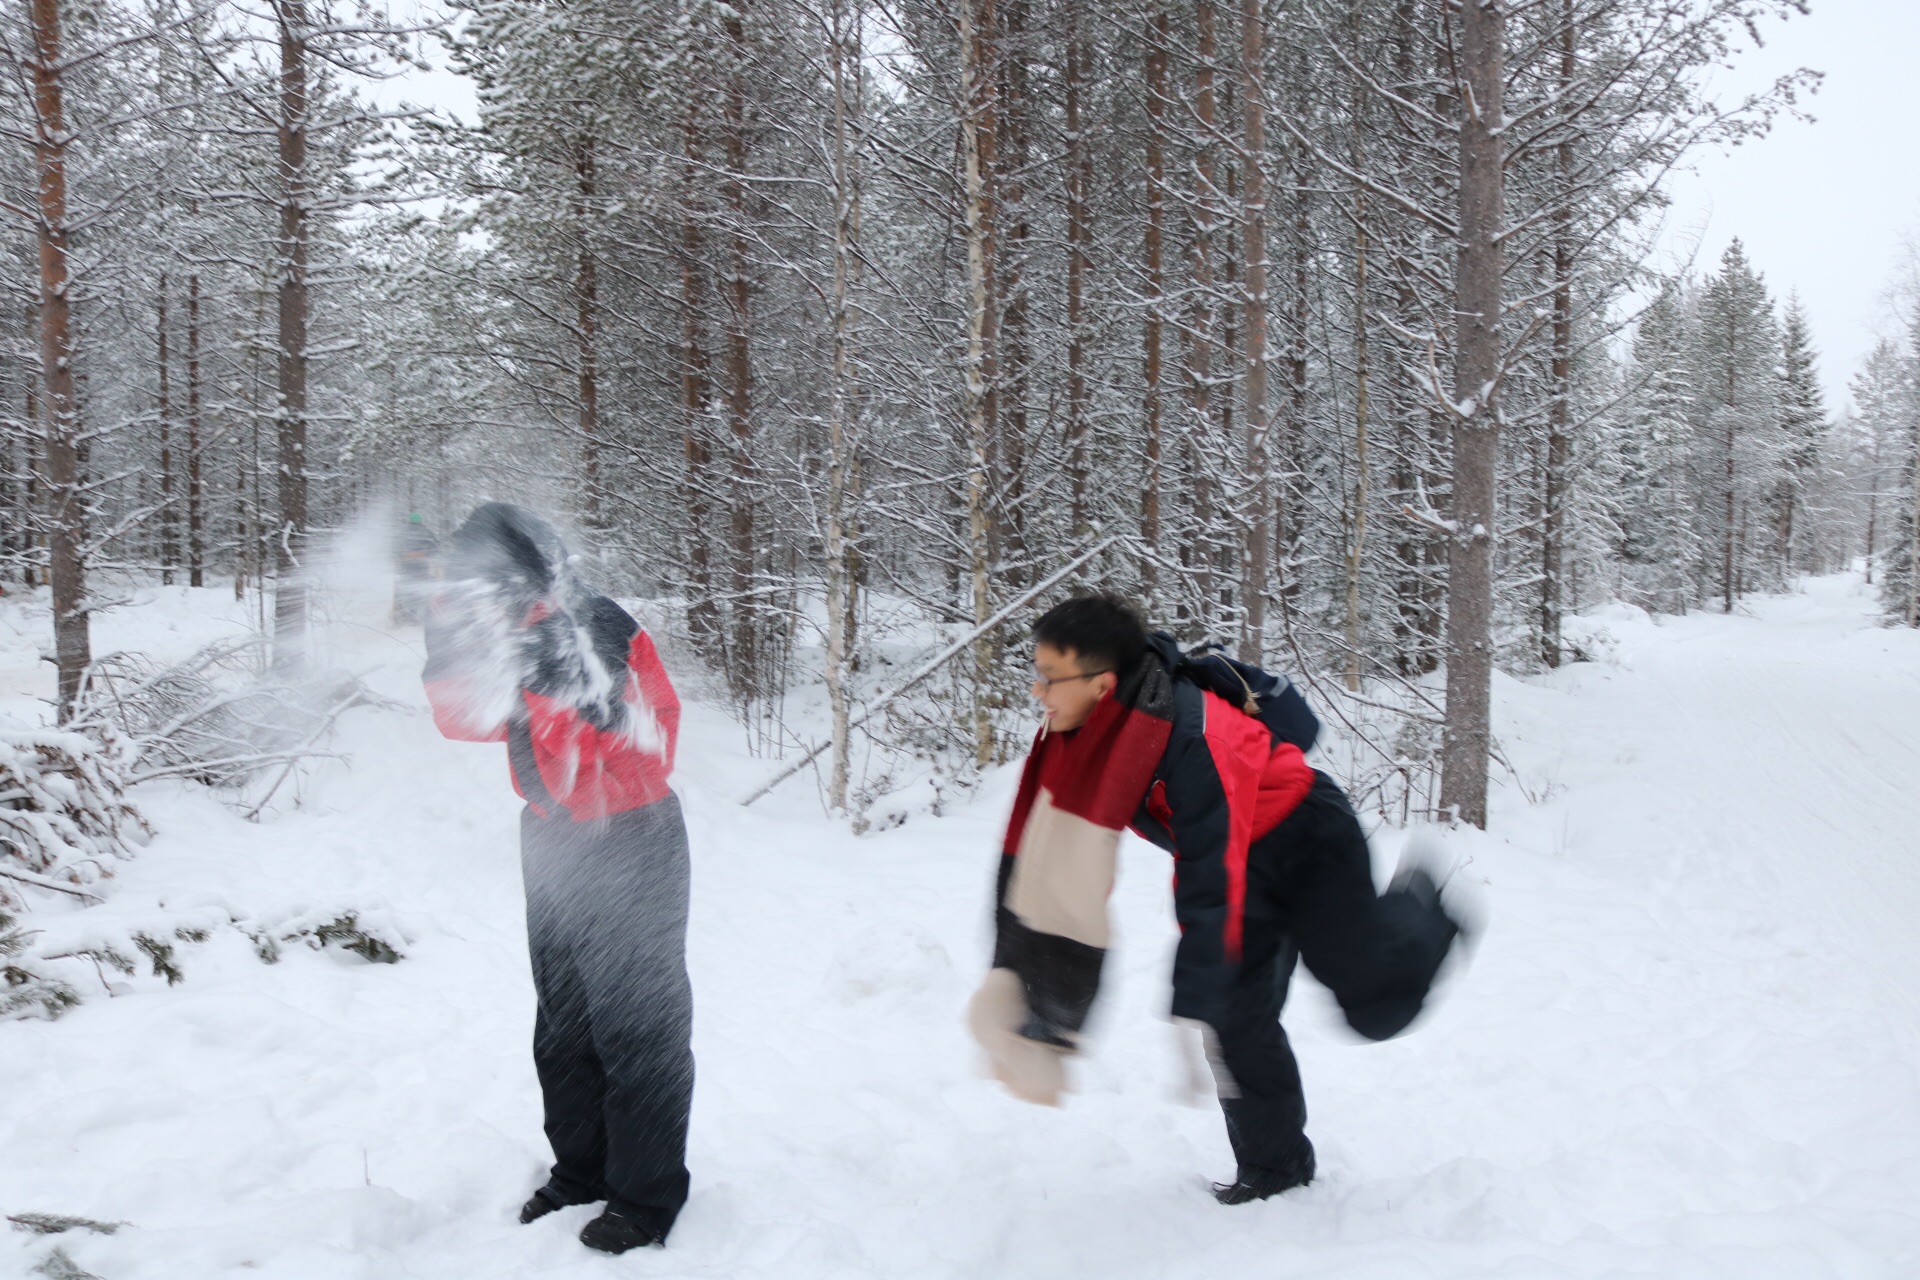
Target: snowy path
[[1689, 1044]]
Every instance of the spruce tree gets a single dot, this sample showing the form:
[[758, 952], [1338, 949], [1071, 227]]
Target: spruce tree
[[1897, 419], [1662, 555], [1803, 437], [1738, 354]]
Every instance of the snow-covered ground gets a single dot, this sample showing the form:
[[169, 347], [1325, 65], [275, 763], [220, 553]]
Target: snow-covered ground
[[1688, 1044]]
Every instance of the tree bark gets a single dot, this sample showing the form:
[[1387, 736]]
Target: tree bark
[[36, 464], [1873, 505], [60, 417], [976, 139], [1467, 740], [1727, 585], [1196, 554], [842, 436], [586, 321], [1362, 495], [196, 492], [1913, 522], [1288, 498], [1011, 388], [1254, 546], [703, 619], [169, 517], [1079, 175], [1155, 320], [1560, 406], [290, 411], [744, 664]]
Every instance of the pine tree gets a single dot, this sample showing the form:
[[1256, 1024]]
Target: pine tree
[[1894, 397], [1738, 358], [1803, 431], [1658, 543]]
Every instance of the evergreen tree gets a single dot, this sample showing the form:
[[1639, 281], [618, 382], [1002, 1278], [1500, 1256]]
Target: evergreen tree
[[1737, 419], [1659, 544], [1803, 439], [1896, 418], [1879, 396]]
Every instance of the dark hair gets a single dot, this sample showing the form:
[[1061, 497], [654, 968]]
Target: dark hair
[[1102, 631], [509, 549]]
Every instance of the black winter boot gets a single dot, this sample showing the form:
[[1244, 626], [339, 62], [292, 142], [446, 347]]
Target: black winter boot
[[617, 1231], [1251, 1182], [551, 1197]]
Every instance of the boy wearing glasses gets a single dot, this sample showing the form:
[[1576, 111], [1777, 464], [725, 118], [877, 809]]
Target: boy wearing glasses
[[1271, 867]]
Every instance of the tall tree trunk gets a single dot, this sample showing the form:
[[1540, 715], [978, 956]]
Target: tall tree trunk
[[1155, 320], [1197, 555], [1013, 346], [586, 324], [745, 613], [1079, 164], [1254, 545], [60, 414], [703, 619], [196, 493], [1288, 497], [290, 594], [31, 535], [1560, 406], [842, 434], [1873, 505], [169, 516], [1727, 536], [1361, 496], [1467, 740], [977, 125], [1913, 524]]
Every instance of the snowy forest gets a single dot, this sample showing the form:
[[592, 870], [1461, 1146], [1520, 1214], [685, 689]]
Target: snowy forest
[[791, 307], [819, 347]]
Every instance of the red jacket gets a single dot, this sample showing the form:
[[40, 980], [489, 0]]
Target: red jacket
[[1188, 772], [590, 721]]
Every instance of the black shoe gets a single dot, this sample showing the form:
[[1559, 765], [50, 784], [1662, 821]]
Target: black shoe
[[616, 1232], [1254, 1183], [547, 1199]]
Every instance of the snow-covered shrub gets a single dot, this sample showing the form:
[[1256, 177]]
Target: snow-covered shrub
[[221, 717], [64, 815], [54, 1224], [24, 988], [376, 942], [65, 820], [57, 1265]]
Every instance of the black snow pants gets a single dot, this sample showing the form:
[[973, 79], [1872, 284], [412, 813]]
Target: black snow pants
[[607, 929], [1310, 896]]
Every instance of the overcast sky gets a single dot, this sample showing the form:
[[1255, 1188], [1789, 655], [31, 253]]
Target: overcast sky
[[1823, 207]]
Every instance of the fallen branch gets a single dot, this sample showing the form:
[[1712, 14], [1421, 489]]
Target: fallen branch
[[42, 882]]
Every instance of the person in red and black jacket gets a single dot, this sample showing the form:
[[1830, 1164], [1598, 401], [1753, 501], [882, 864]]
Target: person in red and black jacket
[[1270, 867], [520, 651]]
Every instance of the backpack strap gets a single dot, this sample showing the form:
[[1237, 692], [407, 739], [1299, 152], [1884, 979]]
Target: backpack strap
[[1249, 701]]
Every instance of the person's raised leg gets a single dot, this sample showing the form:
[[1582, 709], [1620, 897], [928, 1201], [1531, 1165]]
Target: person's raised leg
[[1377, 953]]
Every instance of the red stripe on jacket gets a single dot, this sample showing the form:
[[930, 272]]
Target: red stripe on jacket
[[1262, 785], [593, 772]]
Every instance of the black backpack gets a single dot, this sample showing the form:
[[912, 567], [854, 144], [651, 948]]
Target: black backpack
[[1271, 699]]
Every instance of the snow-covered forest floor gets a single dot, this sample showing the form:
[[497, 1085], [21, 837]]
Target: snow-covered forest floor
[[1688, 1043]]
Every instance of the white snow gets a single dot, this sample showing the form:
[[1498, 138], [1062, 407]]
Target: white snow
[[1686, 1046]]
